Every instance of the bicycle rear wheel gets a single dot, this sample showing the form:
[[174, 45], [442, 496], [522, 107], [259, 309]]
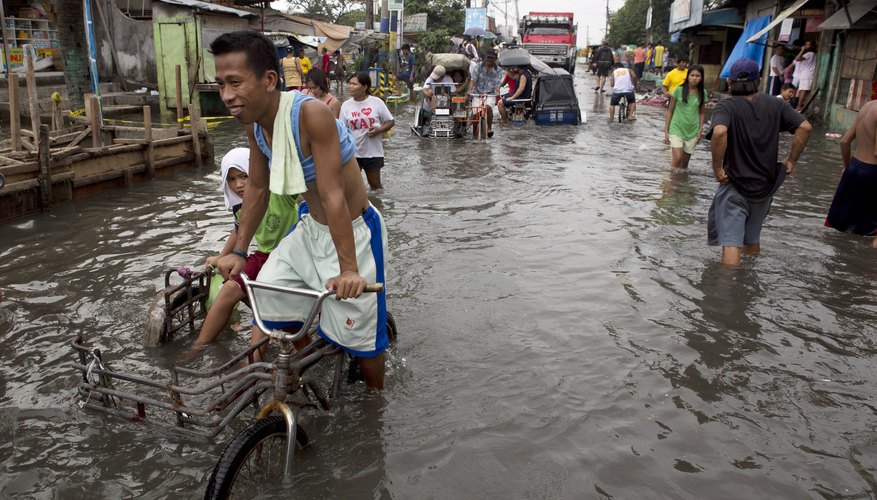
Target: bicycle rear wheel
[[253, 462]]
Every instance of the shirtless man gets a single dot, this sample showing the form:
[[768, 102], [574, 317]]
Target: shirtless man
[[854, 208], [340, 242]]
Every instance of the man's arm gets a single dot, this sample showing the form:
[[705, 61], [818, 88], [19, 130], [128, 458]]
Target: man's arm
[[325, 147], [802, 135], [718, 145], [253, 210], [846, 142]]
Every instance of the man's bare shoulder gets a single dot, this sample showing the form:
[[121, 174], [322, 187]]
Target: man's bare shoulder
[[869, 110]]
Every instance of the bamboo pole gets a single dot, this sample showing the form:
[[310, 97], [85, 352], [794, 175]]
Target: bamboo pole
[[32, 98], [45, 171], [14, 112], [195, 128], [179, 81], [147, 136]]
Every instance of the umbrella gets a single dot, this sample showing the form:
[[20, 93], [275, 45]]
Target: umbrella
[[475, 31]]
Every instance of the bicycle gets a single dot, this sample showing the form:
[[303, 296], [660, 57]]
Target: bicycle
[[265, 446], [623, 110], [479, 116], [268, 435]]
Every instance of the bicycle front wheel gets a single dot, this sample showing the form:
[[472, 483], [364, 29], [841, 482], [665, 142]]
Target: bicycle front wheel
[[253, 462]]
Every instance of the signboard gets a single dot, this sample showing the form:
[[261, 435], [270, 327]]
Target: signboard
[[649, 18], [685, 14], [396, 4], [360, 25], [476, 18], [680, 10], [786, 30], [415, 23]]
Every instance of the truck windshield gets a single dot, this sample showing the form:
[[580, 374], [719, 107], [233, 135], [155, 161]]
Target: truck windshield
[[547, 30]]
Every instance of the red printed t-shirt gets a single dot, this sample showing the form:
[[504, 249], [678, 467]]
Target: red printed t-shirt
[[360, 116]]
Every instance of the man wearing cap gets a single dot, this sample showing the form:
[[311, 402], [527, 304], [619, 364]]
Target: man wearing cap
[[486, 80], [745, 146], [438, 76]]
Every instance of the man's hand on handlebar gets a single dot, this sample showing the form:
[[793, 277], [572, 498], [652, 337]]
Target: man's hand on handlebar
[[347, 285], [230, 266]]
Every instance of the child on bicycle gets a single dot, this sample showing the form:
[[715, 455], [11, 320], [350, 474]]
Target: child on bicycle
[[279, 219], [623, 82]]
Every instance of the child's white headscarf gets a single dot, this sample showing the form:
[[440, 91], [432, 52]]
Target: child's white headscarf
[[238, 158]]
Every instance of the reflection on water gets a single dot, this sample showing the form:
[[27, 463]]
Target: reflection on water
[[565, 331]]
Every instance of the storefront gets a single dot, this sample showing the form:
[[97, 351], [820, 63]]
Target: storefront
[[29, 23]]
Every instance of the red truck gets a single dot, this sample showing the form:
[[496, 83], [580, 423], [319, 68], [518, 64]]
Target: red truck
[[551, 37]]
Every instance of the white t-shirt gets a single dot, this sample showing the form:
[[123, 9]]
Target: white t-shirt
[[805, 69], [623, 82], [777, 63], [429, 82], [360, 116]]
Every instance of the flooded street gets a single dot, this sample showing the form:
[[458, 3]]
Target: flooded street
[[565, 331]]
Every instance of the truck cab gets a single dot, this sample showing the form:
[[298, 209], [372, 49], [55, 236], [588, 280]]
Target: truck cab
[[551, 37]]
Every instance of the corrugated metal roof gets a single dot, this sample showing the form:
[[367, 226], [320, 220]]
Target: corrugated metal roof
[[209, 7]]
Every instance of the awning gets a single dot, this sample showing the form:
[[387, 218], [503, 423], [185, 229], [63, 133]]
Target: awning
[[197, 4], [723, 17], [857, 10], [784, 14], [744, 48]]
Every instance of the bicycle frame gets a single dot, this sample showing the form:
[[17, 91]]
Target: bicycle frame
[[237, 387], [479, 112]]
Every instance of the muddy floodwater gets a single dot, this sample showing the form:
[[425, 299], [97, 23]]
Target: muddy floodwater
[[565, 331]]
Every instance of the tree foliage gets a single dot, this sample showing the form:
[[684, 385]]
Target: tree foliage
[[628, 25], [324, 10], [447, 15], [435, 41]]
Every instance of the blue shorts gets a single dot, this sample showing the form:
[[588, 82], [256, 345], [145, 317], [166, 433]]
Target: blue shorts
[[734, 220]]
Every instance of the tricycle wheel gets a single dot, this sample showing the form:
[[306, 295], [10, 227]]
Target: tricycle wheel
[[252, 464]]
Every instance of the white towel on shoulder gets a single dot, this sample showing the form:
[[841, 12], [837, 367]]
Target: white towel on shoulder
[[287, 176]]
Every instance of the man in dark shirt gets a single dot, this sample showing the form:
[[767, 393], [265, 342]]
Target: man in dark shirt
[[745, 145], [605, 58]]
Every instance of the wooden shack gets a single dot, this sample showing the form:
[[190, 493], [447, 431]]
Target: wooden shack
[[183, 31]]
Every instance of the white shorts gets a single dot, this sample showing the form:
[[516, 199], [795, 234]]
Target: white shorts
[[306, 258], [805, 84], [686, 145], [476, 101]]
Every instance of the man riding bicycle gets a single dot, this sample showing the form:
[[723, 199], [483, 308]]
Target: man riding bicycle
[[486, 81], [623, 83]]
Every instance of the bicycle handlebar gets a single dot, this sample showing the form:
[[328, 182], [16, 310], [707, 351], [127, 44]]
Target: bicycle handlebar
[[319, 297]]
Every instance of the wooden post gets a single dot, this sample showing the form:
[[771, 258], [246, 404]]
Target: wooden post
[[45, 170], [179, 81], [147, 136], [32, 98], [14, 112], [92, 112], [195, 128]]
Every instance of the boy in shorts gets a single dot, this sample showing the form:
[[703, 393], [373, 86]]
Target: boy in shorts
[[340, 242]]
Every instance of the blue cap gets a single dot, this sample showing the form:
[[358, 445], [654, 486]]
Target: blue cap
[[745, 70]]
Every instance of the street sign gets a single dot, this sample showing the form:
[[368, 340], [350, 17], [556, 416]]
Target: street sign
[[476, 18], [396, 4], [415, 23]]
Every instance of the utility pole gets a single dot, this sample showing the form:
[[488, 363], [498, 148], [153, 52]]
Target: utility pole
[[369, 14], [606, 33]]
